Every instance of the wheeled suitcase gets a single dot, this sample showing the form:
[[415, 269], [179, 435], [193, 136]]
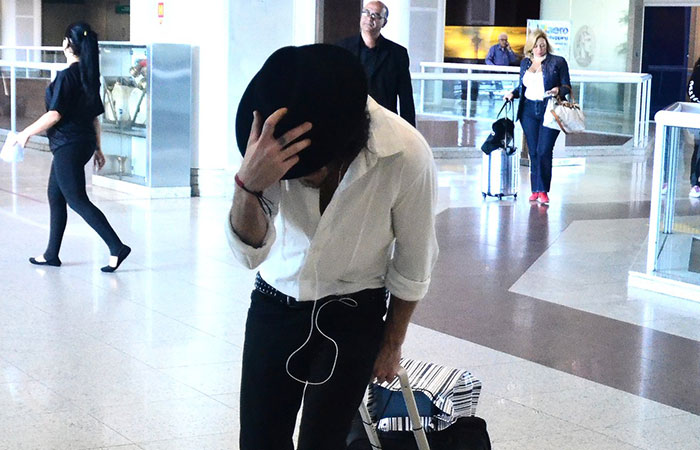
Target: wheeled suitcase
[[500, 168], [500, 173]]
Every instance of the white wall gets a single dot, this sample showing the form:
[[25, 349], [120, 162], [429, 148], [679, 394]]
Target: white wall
[[671, 2], [255, 34], [397, 27], [418, 25], [206, 28], [608, 29], [21, 22], [305, 16], [232, 38]]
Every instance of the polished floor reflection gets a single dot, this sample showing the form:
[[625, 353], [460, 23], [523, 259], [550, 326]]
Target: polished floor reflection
[[533, 300]]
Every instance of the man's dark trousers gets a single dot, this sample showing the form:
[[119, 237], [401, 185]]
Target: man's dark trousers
[[270, 398]]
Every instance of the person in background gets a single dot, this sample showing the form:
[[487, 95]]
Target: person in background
[[385, 62], [542, 75], [694, 95], [73, 104], [501, 54]]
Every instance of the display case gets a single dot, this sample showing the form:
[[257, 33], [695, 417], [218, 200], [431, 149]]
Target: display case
[[672, 263], [146, 126]]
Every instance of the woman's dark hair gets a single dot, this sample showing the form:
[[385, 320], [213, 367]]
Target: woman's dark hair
[[83, 42], [697, 64]]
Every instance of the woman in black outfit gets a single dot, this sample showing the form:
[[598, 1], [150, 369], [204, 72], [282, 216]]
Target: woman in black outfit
[[73, 104]]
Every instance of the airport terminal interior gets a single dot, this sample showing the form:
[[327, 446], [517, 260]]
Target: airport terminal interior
[[576, 316]]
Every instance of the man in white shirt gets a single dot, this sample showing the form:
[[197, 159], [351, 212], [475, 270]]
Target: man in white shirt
[[334, 202]]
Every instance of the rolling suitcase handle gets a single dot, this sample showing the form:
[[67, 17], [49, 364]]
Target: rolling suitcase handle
[[418, 431]]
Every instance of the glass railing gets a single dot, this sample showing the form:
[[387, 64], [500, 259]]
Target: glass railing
[[22, 99], [673, 253], [616, 104]]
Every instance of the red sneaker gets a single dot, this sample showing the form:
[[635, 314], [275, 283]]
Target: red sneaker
[[543, 198], [534, 196]]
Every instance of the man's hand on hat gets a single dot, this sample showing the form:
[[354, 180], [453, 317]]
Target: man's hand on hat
[[267, 159]]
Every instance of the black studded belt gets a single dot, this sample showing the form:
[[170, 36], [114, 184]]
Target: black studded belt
[[374, 294], [264, 288]]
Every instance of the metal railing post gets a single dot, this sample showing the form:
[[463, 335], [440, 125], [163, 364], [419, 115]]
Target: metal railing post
[[469, 96], [13, 98]]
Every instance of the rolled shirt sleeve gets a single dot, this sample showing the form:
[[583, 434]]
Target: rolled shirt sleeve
[[251, 257], [413, 220]]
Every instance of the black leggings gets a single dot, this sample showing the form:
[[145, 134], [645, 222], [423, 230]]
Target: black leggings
[[270, 398], [67, 186], [695, 164]]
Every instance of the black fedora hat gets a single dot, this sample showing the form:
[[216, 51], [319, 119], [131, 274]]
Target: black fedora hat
[[320, 83]]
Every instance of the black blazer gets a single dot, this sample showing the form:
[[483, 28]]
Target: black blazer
[[391, 77]]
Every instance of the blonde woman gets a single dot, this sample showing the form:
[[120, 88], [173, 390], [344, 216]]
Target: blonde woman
[[542, 75]]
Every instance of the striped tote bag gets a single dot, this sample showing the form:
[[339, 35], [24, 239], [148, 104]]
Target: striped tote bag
[[443, 395]]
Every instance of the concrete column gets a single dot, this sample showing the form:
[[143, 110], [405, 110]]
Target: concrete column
[[232, 39], [21, 22]]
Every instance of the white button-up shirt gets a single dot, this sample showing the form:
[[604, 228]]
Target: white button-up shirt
[[377, 231]]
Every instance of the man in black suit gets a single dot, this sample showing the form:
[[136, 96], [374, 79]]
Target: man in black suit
[[385, 62]]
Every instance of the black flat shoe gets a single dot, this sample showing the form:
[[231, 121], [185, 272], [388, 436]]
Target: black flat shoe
[[49, 262], [123, 253]]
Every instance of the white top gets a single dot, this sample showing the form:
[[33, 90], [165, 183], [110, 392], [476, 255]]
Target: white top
[[534, 82], [377, 231]]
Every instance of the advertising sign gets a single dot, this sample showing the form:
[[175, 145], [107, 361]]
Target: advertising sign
[[473, 43], [558, 33]]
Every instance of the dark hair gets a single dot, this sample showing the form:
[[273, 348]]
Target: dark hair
[[83, 43], [697, 64], [357, 140]]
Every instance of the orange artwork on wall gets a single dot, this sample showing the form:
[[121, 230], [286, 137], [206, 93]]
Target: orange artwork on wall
[[475, 42]]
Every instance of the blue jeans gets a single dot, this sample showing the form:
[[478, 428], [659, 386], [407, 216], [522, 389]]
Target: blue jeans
[[540, 142]]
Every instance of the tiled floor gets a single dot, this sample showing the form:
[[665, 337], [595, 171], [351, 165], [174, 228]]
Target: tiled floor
[[533, 300]]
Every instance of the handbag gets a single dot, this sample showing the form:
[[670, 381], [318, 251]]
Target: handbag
[[502, 132], [11, 152], [563, 115]]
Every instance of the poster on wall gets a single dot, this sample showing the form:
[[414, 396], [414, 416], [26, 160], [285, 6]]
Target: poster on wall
[[558, 33], [473, 43]]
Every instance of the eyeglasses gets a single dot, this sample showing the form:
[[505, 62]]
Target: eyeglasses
[[372, 15]]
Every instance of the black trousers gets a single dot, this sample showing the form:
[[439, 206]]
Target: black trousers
[[67, 186], [695, 164], [540, 143], [270, 398]]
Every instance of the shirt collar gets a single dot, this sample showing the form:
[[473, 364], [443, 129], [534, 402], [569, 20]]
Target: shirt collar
[[383, 132]]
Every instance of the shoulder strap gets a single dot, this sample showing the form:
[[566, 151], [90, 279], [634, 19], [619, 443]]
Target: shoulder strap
[[505, 103]]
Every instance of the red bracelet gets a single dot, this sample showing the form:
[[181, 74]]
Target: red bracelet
[[240, 184], [265, 204]]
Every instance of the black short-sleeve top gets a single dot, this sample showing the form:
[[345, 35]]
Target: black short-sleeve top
[[66, 96]]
